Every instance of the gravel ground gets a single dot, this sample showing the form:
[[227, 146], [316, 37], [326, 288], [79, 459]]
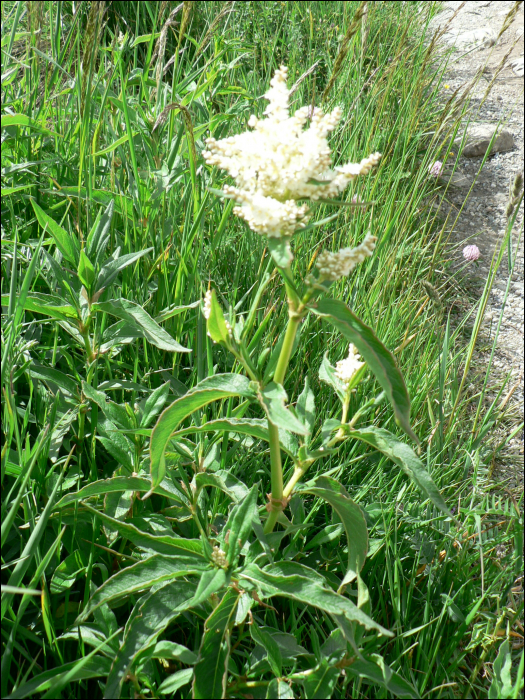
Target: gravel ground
[[474, 34]]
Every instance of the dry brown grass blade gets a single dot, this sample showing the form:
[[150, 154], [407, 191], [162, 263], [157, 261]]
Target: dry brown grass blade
[[227, 7]]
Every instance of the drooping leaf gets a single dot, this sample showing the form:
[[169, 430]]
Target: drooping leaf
[[271, 647], [95, 667], [321, 682], [404, 456], [220, 386], [256, 427], [161, 544], [211, 669], [280, 251], [223, 480], [378, 358], [119, 483], [351, 516], [308, 589], [141, 577], [172, 683], [137, 316], [151, 615], [374, 668], [46, 304], [273, 398]]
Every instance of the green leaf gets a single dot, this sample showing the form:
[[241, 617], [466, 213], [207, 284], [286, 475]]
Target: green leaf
[[280, 251], [161, 544], [351, 516], [46, 304], [120, 333], [223, 480], [24, 120], [216, 323], [327, 374], [405, 457], [98, 237], [211, 581], [322, 681], [307, 589], [378, 358], [151, 615], [118, 483], [172, 650], [501, 686], [273, 398], [93, 668], [172, 683], [220, 386], [154, 404], [111, 268], [279, 690], [141, 577], [305, 406], [86, 271], [239, 526], [56, 380], [67, 573], [211, 669], [270, 645], [256, 427], [65, 242], [374, 669], [137, 316]]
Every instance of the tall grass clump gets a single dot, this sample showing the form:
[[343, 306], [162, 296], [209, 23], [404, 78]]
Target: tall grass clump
[[241, 455]]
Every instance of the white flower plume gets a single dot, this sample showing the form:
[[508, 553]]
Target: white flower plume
[[279, 162], [333, 266], [346, 369]]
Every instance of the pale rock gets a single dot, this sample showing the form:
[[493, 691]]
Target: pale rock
[[478, 139]]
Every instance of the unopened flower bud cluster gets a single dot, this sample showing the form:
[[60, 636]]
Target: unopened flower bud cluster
[[280, 162], [333, 266], [219, 558], [346, 369]]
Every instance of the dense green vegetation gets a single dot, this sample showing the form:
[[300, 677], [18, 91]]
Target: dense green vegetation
[[105, 108]]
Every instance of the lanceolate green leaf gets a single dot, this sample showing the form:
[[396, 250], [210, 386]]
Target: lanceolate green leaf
[[118, 483], [129, 311], [272, 399], [162, 544], [351, 516], [211, 669], [149, 618], [142, 576], [65, 242], [307, 589], [378, 358], [256, 427], [224, 481], [47, 305], [221, 386], [111, 268], [239, 525], [404, 456]]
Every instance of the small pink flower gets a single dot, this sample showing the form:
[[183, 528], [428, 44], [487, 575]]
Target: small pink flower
[[356, 199], [471, 252], [436, 169]]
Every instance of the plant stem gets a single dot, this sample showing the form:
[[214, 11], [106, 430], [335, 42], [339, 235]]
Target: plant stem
[[277, 478]]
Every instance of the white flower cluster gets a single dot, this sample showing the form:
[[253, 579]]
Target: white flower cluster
[[280, 162], [333, 266], [207, 304], [346, 369]]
